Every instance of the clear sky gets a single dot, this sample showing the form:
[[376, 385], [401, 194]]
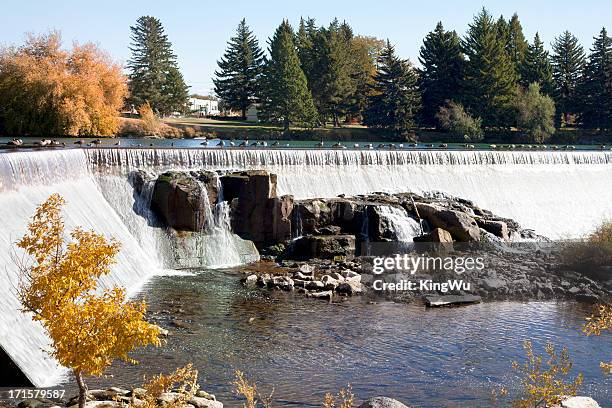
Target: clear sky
[[200, 29]]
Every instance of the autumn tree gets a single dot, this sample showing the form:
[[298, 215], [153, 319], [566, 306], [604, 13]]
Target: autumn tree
[[395, 99], [46, 90], [440, 77], [285, 94], [236, 81], [364, 53], [154, 75], [88, 327]]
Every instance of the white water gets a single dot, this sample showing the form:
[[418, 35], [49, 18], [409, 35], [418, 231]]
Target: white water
[[404, 227], [558, 194]]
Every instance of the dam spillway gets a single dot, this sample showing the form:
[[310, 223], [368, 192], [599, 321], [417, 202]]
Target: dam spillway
[[558, 194]]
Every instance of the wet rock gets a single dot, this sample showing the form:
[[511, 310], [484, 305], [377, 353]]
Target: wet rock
[[438, 235], [350, 287], [200, 402], [451, 300], [251, 194], [315, 285], [324, 247], [382, 402], [306, 269], [312, 215], [460, 225], [251, 280], [321, 295], [329, 282], [579, 402], [179, 198], [497, 228]]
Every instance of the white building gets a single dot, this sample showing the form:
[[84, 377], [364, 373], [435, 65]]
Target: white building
[[203, 105]]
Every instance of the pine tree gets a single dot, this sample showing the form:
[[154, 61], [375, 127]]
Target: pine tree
[[568, 62], [153, 68], [490, 78], [596, 85], [304, 41], [517, 45], [333, 86], [537, 67], [286, 97], [395, 98], [240, 68], [440, 78]]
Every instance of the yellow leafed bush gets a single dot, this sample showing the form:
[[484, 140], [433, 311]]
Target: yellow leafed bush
[[59, 286]]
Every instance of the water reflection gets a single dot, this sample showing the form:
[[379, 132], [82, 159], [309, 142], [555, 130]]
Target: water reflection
[[304, 347]]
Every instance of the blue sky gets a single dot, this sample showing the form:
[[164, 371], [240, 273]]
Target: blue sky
[[199, 29]]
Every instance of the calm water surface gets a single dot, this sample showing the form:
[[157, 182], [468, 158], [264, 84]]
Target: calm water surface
[[305, 348]]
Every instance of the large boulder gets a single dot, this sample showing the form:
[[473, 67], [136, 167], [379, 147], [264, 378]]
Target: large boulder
[[251, 195], [497, 228], [382, 402], [181, 199], [438, 235], [311, 215], [323, 247], [461, 226], [277, 225], [579, 402]]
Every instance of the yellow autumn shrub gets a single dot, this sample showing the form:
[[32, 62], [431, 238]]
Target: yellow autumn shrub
[[58, 285]]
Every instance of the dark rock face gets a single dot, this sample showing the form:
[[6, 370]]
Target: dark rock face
[[177, 200], [461, 226], [497, 228], [257, 213], [323, 247]]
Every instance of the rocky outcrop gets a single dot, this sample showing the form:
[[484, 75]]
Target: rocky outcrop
[[322, 247], [180, 199], [257, 213], [460, 225], [578, 402]]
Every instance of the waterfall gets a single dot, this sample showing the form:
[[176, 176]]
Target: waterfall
[[404, 227], [215, 246], [561, 194], [26, 180]]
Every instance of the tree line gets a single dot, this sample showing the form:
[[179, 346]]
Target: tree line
[[314, 76], [492, 78]]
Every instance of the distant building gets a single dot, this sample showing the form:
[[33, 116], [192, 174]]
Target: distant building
[[251, 113], [203, 105]]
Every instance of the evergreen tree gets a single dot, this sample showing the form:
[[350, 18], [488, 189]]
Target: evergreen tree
[[517, 45], [153, 68], [490, 78], [440, 78], [286, 97], [237, 80], [333, 85], [395, 98], [568, 62], [304, 41], [537, 67], [596, 85], [176, 92]]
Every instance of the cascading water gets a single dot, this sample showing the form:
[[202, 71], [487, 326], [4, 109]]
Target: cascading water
[[404, 227], [215, 245], [557, 193], [26, 180]]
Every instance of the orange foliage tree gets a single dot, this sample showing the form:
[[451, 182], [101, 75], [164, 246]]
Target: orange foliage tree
[[46, 90], [89, 328]]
